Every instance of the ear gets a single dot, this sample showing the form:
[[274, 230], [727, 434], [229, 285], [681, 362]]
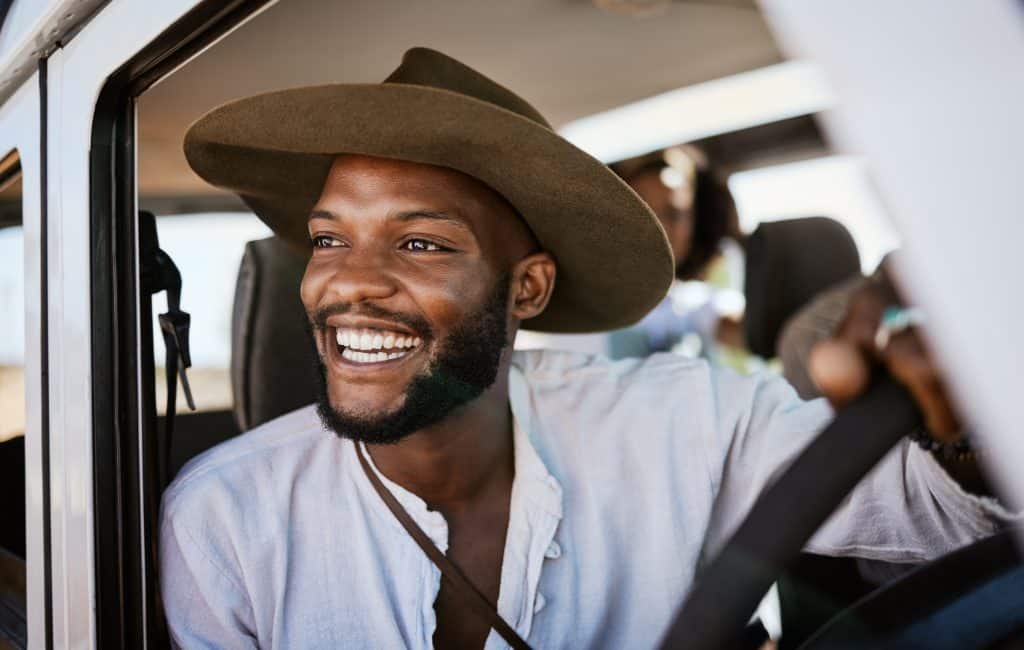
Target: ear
[[533, 280]]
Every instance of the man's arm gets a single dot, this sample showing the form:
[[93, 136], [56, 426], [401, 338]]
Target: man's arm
[[907, 510], [205, 604], [915, 504]]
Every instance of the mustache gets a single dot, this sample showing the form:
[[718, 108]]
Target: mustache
[[318, 319]]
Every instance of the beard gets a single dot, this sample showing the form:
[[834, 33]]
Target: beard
[[466, 365]]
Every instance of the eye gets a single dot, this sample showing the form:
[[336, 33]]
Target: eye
[[325, 241], [422, 246]]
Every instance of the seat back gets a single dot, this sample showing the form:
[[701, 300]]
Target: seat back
[[789, 263], [273, 360]]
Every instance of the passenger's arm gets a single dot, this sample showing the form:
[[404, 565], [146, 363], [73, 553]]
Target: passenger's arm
[[206, 606], [842, 366]]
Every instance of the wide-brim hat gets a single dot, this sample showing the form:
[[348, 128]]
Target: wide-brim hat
[[274, 150]]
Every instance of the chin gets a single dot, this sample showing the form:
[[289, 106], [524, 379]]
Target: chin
[[346, 399]]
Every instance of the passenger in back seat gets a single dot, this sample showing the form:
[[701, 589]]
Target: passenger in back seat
[[577, 496]]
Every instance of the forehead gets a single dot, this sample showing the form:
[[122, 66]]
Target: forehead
[[366, 181]]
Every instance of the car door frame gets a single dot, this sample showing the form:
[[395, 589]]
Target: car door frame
[[21, 116], [105, 590]]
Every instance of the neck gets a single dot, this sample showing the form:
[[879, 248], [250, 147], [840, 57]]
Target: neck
[[459, 460]]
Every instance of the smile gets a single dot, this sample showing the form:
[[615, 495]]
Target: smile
[[369, 346]]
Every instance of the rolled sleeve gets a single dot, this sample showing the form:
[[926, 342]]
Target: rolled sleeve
[[906, 510]]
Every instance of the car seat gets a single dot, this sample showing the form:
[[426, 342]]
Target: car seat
[[788, 263], [273, 359]]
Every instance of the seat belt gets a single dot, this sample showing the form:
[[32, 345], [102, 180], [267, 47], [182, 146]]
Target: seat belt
[[766, 542], [459, 583], [159, 273]]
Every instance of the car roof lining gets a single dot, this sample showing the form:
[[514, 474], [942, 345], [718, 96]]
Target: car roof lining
[[568, 57]]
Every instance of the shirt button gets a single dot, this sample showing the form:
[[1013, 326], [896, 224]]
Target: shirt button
[[539, 603], [554, 551]]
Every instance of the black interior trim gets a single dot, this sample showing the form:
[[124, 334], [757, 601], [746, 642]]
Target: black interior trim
[[116, 472], [44, 352], [126, 489]]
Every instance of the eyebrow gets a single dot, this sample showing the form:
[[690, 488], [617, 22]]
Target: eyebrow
[[410, 215], [413, 215]]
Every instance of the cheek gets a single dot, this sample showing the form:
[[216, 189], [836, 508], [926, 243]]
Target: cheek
[[446, 301]]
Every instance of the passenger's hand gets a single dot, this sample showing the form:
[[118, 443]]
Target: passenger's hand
[[842, 365]]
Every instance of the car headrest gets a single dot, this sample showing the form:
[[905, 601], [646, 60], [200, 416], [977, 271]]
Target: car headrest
[[789, 263], [273, 361]]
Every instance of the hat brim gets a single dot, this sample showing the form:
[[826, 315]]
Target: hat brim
[[274, 150]]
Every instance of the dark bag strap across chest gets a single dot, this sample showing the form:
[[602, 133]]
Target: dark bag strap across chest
[[460, 585]]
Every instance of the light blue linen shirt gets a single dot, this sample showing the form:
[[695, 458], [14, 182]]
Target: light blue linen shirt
[[627, 475]]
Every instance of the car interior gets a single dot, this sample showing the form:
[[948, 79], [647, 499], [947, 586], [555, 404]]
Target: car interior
[[592, 60], [572, 59]]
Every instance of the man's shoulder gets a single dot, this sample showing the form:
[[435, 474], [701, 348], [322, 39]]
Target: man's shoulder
[[564, 368], [662, 390], [605, 396], [236, 467]]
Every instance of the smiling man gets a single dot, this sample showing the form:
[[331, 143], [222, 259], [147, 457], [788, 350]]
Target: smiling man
[[444, 489]]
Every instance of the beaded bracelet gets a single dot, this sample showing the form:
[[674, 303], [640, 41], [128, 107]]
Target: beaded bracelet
[[960, 450]]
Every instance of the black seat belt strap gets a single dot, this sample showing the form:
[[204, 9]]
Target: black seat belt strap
[[472, 597], [161, 274]]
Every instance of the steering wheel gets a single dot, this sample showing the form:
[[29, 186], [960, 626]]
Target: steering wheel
[[970, 598], [773, 534]]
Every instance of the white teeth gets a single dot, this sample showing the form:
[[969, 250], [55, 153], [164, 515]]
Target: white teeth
[[365, 340], [370, 357]]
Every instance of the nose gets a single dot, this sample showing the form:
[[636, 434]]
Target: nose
[[359, 276]]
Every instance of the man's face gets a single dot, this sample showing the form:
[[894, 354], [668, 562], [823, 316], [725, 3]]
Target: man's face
[[408, 292]]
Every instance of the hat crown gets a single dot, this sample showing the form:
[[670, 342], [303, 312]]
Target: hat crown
[[422, 66]]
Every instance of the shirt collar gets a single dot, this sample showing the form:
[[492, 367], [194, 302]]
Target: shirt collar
[[533, 482]]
